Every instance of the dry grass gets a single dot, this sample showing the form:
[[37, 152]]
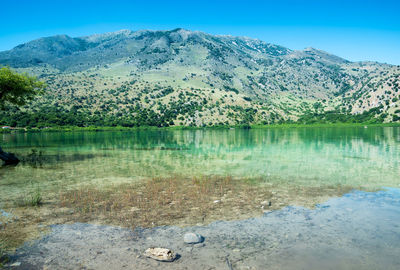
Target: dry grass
[[182, 201], [160, 201], [16, 230], [177, 201]]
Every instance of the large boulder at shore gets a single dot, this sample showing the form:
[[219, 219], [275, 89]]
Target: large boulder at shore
[[192, 238], [160, 254]]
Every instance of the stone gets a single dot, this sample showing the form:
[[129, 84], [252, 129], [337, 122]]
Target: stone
[[160, 254], [266, 203], [192, 238]]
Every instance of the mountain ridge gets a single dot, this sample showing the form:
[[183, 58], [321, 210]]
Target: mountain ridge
[[241, 79]]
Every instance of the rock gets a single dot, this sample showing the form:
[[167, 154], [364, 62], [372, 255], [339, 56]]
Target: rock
[[217, 201], [192, 238], [264, 203], [160, 254]]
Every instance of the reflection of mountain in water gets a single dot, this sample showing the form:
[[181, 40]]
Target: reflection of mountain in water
[[304, 156]]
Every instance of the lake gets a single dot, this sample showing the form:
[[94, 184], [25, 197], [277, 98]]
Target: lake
[[366, 157], [199, 176]]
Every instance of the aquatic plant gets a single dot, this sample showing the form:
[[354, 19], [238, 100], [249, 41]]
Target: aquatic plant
[[35, 198], [185, 201], [32, 198], [3, 255], [163, 201]]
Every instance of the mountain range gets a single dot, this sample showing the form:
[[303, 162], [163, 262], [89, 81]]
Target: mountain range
[[182, 77]]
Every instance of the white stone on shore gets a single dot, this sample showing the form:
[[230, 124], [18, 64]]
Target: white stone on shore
[[160, 254]]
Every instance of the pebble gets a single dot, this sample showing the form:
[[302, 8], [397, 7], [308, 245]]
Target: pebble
[[192, 238], [266, 203]]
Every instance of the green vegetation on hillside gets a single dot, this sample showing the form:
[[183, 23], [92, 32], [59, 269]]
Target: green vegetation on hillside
[[185, 78], [51, 118]]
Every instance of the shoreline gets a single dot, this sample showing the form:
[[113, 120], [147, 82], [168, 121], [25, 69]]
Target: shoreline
[[172, 128], [289, 238]]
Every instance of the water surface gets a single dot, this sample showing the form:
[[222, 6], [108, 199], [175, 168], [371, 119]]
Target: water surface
[[359, 157], [357, 231]]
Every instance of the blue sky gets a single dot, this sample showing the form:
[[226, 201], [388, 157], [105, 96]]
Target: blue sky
[[354, 29]]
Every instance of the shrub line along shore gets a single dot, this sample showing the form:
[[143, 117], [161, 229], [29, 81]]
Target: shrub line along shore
[[120, 128]]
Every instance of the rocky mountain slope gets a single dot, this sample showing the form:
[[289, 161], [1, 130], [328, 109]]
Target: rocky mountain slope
[[181, 77]]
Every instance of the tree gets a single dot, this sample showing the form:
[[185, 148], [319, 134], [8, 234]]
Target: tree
[[16, 89]]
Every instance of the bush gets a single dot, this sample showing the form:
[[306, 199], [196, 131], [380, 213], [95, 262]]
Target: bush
[[247, 98]]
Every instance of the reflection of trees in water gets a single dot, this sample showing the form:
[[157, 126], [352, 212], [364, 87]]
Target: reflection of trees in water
[[39, 158], [236, 138], [287, 152]]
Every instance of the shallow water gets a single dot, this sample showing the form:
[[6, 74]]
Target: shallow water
[[357, 231], [367, 157]]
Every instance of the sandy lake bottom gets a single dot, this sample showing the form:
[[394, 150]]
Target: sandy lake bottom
[[360, 230], [311, 198]]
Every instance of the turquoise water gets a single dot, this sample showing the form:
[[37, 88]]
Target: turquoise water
[[359, 157], [357, 231]]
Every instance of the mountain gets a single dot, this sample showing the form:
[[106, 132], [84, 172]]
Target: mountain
[[182, 77]]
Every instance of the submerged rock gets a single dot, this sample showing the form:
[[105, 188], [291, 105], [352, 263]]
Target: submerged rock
[[192, 238], [160, 254]]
